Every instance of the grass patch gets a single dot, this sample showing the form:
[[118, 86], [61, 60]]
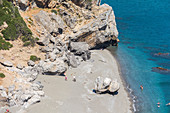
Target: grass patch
[[34, 58], [16, 25], [2, 75]]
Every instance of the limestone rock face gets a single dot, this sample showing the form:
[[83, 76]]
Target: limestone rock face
[[99, 32], [79, 47], [43, 18]]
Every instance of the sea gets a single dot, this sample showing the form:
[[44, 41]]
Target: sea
[[144, 33]]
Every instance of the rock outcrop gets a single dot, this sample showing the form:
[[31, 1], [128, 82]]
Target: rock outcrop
[[22, 96], [103, 85]]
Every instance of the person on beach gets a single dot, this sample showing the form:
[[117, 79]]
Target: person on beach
[[7, 111], [74, 78], [65, 76], [141, 87]]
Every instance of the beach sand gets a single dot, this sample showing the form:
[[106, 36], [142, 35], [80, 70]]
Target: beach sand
[[77, 97]]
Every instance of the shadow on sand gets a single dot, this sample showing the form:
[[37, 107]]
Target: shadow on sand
[[53, 74], [106, 92]]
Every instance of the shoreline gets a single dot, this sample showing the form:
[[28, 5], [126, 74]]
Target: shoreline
[[125, 84], [75, 97]]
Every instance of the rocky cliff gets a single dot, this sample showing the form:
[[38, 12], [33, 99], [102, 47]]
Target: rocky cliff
[[65, 31], [65, 20]]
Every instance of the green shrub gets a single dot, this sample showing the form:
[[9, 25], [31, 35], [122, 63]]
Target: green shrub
[[37, 39], [89, 0], [34, 58], [54, 11], [16, 25], [58, 6], [4, 45], [2, 75], [27, 43]]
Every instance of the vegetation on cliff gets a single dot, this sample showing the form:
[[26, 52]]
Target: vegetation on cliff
[[2, 75], [34, 58], [4, 45], [16, 25]]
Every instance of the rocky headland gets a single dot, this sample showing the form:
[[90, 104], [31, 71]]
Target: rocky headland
[[57, 35]]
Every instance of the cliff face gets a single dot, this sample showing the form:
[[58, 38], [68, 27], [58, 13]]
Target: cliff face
[[70, 22]]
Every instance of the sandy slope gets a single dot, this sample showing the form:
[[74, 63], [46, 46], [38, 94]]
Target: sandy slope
[[77, 97]]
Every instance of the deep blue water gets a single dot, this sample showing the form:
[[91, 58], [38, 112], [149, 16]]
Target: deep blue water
[[144, 33]]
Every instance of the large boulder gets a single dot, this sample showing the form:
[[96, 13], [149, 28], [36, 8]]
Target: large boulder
[[58, 67], [98, 83], [33, 100], [7, 63], [106, 85], [72, 61], [31, 73], [114, 86], [79, 47]]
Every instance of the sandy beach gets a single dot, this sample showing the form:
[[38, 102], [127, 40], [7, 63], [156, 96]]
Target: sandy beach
[[77, 97]]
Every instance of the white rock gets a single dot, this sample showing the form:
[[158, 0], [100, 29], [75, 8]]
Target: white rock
[[7, 63], [115, 86], [1, 88], [4, 94], [40, 93], [106, 82], [30, 63], [31, 101], [25, 97]]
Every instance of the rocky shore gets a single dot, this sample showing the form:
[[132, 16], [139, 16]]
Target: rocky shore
[[78, 97], [66, 31]]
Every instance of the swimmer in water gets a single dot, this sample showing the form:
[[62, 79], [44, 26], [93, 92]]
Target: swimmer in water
[[141, 87], [168, 104], [158, 104]]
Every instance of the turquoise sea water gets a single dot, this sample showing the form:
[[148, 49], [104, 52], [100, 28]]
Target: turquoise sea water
[[144, 27]]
